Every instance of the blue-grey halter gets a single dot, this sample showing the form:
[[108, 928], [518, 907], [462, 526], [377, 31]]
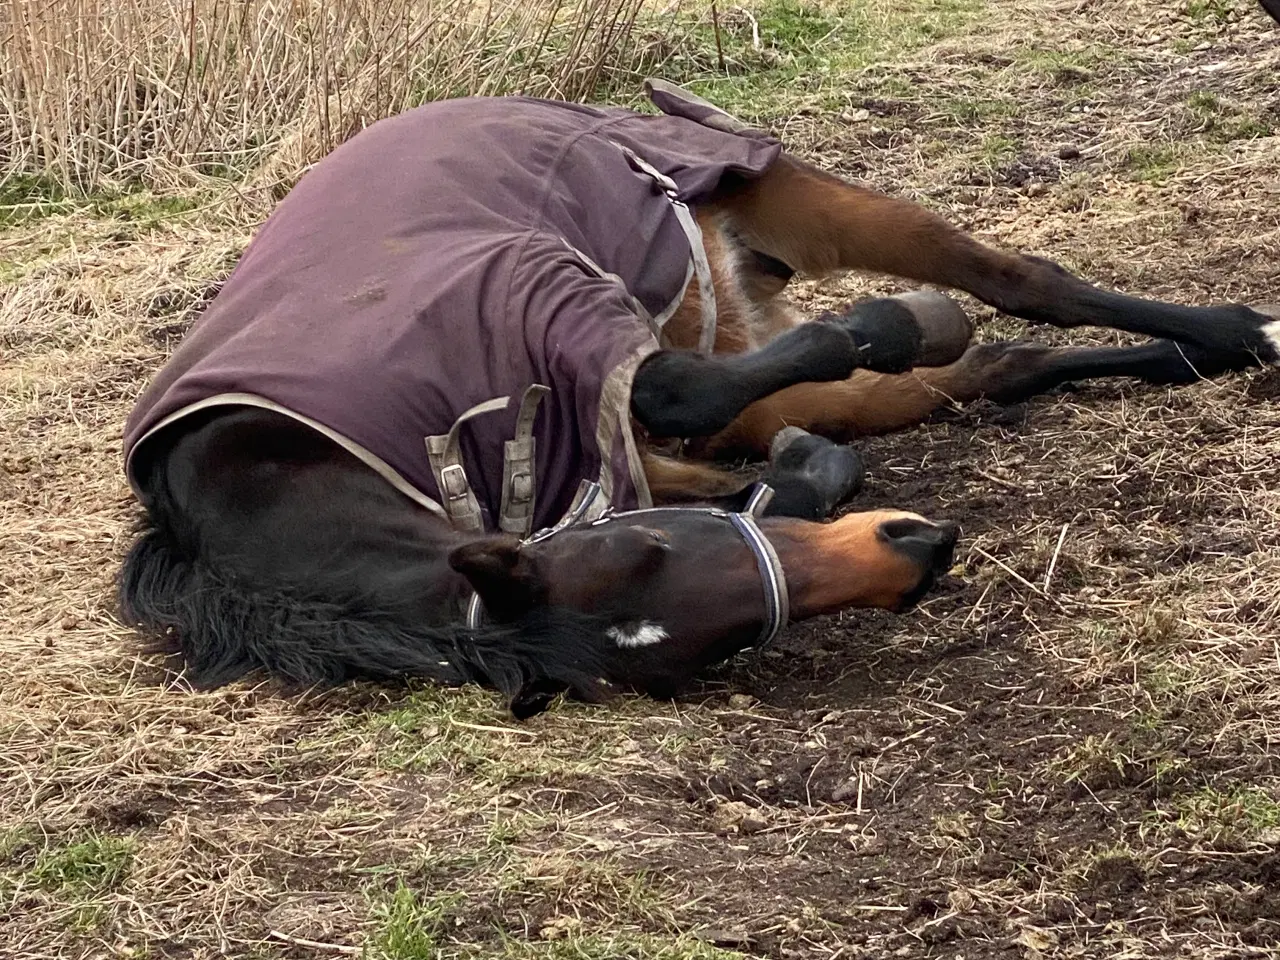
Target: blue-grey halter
[[772, 576]]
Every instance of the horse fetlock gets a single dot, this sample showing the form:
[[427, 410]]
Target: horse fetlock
[[1235, 328], [885, 333], [807, 353], [1270, 331]]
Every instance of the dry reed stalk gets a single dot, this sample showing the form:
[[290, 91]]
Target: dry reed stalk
[[95, 89]]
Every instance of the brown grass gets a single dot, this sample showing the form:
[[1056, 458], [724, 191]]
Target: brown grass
[[94, 88], [1070, 750]]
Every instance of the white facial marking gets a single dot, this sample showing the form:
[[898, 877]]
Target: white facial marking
[[642, 634], [1272, 332]]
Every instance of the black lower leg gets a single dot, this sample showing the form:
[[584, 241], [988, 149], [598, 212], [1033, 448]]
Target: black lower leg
[[679, 393], [1022, 370], [1042, 292]]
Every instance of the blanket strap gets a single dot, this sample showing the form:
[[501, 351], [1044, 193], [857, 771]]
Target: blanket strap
[[451, 476], [519, 476], [699, 265], [698, 253]]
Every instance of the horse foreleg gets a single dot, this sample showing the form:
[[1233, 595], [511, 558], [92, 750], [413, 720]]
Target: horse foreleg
[[681, 393], [817, 223], [1005, 372]]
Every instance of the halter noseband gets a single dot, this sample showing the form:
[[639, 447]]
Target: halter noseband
[[772, 577]]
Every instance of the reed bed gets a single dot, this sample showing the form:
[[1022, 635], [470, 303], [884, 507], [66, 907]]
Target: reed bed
[[94, 90]]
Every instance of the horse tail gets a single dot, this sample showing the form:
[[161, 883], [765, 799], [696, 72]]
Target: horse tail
[[223, 629]]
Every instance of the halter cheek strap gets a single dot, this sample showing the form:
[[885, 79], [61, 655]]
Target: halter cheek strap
[[772, 577]]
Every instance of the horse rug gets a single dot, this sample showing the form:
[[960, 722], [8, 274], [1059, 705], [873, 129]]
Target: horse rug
[[460, 296]]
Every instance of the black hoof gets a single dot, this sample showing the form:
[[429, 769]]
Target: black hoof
[[944, 326], [886, 336], [814, 470]]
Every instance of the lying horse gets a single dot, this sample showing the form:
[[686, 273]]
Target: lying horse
[[457, 411]]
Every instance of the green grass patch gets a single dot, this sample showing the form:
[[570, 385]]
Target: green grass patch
[[1204, 102], [1241, 127], [614, 947], [26, 199], [1136, 757], [1063, 67], [465, 731], [1223, 122], [1153, 163], [18, 840], [1209, 11], [410, 925], [805, 50], [1237, 813], [90, 867], [997, 149], [970, 110]]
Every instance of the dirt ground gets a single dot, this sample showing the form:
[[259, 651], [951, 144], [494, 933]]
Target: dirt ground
[[1071, 749]]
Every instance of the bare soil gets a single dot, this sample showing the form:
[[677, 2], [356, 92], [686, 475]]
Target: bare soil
[[1072, 749]]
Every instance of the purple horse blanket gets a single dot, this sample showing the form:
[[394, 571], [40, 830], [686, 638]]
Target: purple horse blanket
[[423, 277]]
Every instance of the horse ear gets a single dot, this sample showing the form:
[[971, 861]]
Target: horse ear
[[505, 577]]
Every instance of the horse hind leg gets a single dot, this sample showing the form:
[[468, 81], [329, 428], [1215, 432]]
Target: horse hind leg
[[817, 223], [1004, 372]]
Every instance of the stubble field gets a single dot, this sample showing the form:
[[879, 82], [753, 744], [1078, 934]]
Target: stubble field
[[1071, 749]]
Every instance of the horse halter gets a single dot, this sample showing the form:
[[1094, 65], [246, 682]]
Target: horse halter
[[772, 577]]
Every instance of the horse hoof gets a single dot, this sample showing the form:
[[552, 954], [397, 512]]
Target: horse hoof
[[944, 326], [833, 471], [783, 439]]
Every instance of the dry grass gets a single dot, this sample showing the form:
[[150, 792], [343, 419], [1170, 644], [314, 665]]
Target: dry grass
[[1069, 751], [130, 88]]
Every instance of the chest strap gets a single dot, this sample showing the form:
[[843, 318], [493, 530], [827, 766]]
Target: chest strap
[[519, 468], [519, 473]]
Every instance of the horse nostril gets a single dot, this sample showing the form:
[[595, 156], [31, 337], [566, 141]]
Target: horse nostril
[[906, 528], [928, 544]]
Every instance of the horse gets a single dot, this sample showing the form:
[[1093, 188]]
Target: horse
[[332, 489]]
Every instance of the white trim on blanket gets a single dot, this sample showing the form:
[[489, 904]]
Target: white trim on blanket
[[368, 457]]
